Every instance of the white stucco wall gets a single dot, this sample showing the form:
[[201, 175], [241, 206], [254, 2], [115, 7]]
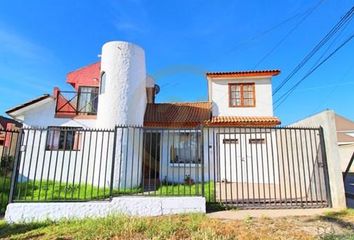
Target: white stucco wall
[[132, 206], [90, 165], [219, 95], [245, 162], [123, 100], [43, 116]]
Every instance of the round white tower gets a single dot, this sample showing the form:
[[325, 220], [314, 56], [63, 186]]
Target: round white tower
[[122, 98]]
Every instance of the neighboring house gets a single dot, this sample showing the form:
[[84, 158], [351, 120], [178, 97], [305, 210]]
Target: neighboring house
[[345, 138], [7, 139], [118, 91]]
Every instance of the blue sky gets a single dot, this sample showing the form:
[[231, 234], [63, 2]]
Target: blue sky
[[41, 41]]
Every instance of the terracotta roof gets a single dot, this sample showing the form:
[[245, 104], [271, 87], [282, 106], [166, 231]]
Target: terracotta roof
[[343, 124], [244, 73], [33, 101], [344, 138], [243, 121], [88, 75], [177, 114]]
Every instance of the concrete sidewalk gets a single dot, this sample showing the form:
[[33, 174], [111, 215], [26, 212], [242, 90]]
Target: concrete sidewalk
[[271, 213]]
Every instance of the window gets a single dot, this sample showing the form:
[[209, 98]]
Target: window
[[256, 140], [242, 95], [185, 147], [67, 138], [103, 83], [88, 100], [230, 141]]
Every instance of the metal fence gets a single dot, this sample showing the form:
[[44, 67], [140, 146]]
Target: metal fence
[[267, 167], [8, 144], [242, 167]]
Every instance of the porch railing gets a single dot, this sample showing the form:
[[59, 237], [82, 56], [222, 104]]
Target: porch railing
[[70, 103]]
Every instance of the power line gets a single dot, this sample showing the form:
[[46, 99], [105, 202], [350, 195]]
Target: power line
[[307, 14], [344, 20], [287, 94]]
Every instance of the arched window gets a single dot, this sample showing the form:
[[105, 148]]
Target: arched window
[[103, 83]]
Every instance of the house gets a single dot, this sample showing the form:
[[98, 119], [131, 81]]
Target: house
[[118, 91], [345, 138], [8, 139], [109, 137]]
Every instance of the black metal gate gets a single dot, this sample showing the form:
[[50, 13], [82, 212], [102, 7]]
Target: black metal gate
[[267, 167]]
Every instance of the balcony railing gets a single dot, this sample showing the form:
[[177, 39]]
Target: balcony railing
[[70, 103]]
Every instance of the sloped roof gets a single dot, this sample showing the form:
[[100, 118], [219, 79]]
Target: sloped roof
[[344, 138], [177, 114], [343, 124], [243, 73], [4, 121], [243, 121], [28, 103], [88, 75]]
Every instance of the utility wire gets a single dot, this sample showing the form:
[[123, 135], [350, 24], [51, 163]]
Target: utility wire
[[307, 14], [287, 94], [344, 20]]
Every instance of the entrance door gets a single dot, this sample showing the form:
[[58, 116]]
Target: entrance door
[[151, 166]]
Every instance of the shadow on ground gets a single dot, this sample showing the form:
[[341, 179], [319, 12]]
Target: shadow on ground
[[7, 230]]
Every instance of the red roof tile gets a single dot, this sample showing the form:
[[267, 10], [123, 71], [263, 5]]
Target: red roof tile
[[243, 73], [177, 114], [243, 121]]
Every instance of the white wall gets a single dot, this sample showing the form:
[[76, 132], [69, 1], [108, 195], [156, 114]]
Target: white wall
[[128, 158], [90, 165], [43, 116], [123, 100], [245, 162], [219, 95], [132, 206]]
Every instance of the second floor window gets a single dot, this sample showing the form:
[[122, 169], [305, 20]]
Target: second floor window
[[88, 100], [242, 95]]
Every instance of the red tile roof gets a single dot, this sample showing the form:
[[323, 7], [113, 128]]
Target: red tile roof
[[86, 76], [243, 121], [258, 73], [177, 114]]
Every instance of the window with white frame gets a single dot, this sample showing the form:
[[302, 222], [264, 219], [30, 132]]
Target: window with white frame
[[185, 147], [67, 138]]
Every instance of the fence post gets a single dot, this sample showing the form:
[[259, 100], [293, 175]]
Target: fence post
[[15, 169], [202, 158], [348, 167], [325, 167], [113, 162]]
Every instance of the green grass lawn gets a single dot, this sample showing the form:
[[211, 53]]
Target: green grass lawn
[[337, 225], [187, 190], [60, 191]]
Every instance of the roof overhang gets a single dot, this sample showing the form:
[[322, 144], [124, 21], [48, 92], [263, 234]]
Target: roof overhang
[[243, 121], [20, 109], [243, 74]]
